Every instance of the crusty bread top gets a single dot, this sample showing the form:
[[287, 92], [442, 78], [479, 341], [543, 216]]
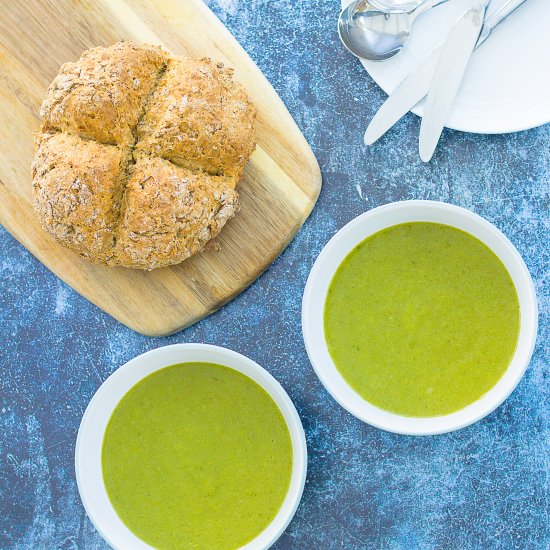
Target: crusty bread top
[[175, 223], [101, 96], [197, 118], [77, 192], [139, 154]]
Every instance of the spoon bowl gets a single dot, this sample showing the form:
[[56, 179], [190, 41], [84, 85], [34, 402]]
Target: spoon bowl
[[376, 35]]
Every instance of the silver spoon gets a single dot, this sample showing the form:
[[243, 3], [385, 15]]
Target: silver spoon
[[395, 6], [375, 35]]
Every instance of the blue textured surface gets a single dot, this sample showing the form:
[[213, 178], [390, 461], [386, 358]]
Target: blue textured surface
[[485, 486]]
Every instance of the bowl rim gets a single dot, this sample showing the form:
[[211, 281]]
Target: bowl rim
[[373, 221], [100, 408]]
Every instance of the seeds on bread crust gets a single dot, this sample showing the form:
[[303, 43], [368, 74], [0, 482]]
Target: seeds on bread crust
[[171, 212], [101, 96], [139, 154], [77, 192], [197, 117]]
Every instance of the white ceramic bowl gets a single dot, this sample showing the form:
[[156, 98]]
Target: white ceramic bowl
[[89, 442], [332, 256]]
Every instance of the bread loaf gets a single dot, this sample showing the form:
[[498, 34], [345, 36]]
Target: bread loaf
[[139, 154]]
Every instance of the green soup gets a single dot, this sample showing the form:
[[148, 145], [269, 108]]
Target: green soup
[[197, 455], [421, 319]]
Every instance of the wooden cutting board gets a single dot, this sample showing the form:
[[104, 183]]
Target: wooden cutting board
[[277, 193]]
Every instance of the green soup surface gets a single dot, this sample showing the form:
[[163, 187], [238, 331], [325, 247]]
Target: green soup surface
[[421, 319], [197, 455]]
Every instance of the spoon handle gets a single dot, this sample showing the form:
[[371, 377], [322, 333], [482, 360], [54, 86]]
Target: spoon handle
[[497, 17]]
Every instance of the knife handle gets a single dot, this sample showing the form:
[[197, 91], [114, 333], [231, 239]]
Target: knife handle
[[417, 84], [498, 17]]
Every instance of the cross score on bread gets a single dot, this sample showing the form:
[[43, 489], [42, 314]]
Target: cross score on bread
[[139, 154]]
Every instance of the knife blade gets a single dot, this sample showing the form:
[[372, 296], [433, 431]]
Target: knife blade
[[448, 75], [417, 84]]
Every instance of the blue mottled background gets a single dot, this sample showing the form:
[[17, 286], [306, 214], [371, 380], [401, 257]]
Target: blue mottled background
[[485, 486]]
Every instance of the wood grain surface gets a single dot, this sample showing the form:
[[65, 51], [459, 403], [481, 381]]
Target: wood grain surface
[[278, 191]]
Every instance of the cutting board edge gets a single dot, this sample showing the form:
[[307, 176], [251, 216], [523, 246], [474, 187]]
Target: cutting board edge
[[254, 278], [174, 328]]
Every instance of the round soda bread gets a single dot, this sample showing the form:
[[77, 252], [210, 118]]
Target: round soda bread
[[139, 154]]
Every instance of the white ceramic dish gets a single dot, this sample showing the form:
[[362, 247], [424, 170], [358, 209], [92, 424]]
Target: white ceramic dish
[[94, 422], [507, 84], [332, 256]]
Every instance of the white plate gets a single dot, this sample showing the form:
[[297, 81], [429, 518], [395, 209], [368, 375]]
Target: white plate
[[89, 475], [340, 246], [507, 84]]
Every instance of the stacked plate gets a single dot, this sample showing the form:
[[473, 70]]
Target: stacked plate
[[507, 84]]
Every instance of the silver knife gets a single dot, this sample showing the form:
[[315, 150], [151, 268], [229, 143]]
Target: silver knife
[[449, 72], [417, 84]]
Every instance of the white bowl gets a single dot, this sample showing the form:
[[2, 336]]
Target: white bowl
[[332, 256], [89, 442]]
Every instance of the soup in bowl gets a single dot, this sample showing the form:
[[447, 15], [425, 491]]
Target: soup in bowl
[[419, 317], [191, 445]]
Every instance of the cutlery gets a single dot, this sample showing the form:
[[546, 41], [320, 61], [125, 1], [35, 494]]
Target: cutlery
[[372, 34], [417, 84], [396, 6], [449, 71]]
